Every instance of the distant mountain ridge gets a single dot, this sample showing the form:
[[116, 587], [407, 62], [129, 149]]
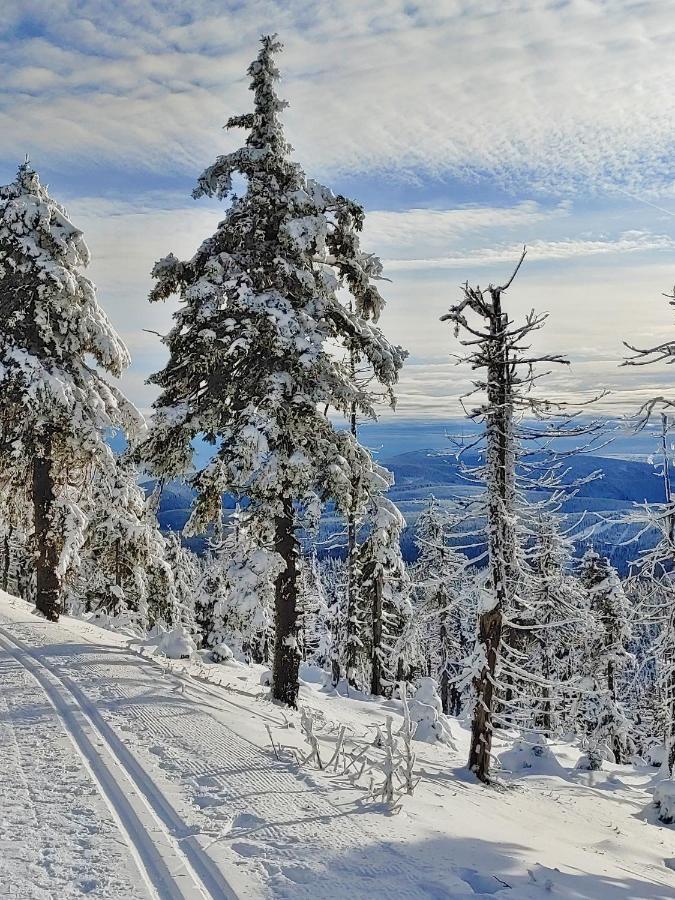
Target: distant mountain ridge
[[419, 474]]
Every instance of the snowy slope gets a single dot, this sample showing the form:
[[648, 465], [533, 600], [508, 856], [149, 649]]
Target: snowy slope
[[123, 776]]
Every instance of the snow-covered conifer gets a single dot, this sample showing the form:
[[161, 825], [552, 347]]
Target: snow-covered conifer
[[605, 719], [252, 363], [186, 577], [384, 586], [54, 405], [124, 569], [443, 591], [315, 615], [560, 619]]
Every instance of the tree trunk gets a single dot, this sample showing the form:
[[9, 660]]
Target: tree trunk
[[47, 599], [376, 669], [445, 675], [353, 642], [489, 635], [286, 659], [6, 560], [501, 546]]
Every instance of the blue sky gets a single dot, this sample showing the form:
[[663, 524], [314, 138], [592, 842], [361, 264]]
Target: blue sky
[[465, 128]]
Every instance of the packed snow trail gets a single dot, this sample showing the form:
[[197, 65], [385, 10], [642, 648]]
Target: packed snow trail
[[166, 869], [57, 835], [122, 778]]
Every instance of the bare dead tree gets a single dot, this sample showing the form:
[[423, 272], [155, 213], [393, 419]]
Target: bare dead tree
[[499, 353], [656, 565]]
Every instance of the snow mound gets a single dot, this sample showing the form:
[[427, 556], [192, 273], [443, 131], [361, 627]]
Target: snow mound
[[664, 798], [177, 644], [655, 756], [222, 654], [531, 752]]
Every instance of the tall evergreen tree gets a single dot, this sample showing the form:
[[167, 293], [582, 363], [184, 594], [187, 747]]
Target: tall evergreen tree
[[252, 364], [54, 405]]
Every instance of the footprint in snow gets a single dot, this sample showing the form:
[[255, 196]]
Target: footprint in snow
[[480, 884], [244, 822], [243, 848]]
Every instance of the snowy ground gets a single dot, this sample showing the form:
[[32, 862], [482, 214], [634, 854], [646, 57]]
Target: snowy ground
[[121, 778]]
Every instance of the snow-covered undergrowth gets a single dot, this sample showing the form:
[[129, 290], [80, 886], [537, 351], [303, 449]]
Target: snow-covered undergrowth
[[223, 772]]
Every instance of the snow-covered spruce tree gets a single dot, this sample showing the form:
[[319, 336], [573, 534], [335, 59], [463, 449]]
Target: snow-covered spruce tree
[[333, 574], [187, 575], [54, 405], [443, 590], [15, 526], [252, 363], [385, 587], [559, 609], [315, 615], [210, 594], [124, 570], [498, 352], [607, 724], [244, 615]]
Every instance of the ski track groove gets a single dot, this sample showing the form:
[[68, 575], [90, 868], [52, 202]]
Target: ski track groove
[[286, 817], [52, 813], [157, 858]]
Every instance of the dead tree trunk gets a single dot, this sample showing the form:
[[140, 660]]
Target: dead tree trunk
[[445, 662], [500, 500], [286, 659], [47, 598], [376, 669]]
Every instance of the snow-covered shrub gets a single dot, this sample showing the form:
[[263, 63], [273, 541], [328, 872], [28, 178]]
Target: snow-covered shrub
[[426, 714], [531, 752], [177, 643]]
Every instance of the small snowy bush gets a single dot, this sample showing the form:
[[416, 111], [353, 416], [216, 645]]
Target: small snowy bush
[[177, 643], [430, 725]]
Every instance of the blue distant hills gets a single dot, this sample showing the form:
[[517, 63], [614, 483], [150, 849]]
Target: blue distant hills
[[421, 472]]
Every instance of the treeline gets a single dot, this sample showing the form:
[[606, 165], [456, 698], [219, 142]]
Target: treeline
[[274, 358]]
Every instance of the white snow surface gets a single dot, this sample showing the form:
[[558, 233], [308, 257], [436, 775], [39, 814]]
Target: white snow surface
[[124, 775]]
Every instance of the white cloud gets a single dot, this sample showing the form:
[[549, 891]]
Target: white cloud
[[551, 95]]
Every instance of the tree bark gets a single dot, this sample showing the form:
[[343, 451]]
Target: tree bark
[[286, 659], [445, 675], [489, 635], [48, 592], [376, 668]]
